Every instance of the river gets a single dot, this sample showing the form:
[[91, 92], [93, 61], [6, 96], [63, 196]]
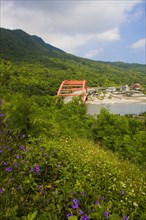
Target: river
[[117, 108]]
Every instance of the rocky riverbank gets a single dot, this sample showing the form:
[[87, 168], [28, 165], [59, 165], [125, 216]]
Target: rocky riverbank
[[120, 98]]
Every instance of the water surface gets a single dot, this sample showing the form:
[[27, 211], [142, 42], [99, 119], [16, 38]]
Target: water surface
[[117, 108]]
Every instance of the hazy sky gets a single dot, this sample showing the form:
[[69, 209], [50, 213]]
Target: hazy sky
[[107, 30]]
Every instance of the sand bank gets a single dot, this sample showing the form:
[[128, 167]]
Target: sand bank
[[116, 99]]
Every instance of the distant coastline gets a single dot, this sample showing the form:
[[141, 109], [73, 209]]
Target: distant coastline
[[116, 99]]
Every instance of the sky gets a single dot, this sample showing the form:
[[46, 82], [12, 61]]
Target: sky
[[105, 30]]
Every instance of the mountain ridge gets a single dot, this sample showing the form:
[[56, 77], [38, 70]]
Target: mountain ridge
[[10, 40], [47, 66], [17, 45]]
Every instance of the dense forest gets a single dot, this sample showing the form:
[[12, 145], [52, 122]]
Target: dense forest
[[56, 161]]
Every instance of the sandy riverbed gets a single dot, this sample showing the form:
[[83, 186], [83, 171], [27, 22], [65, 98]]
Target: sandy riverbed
[[110, 99]]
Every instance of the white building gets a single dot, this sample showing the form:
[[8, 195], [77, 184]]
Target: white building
[[111, 89]]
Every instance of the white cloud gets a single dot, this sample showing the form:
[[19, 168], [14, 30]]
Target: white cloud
[[72, 17], [110, 35], [140, 44], [94, 53], [70, 43]]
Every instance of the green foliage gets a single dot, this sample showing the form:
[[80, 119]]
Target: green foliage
[[39, 79], [31, 216], [121, 134], [41, 178], [46, 115], [72, 120], [26, 116]]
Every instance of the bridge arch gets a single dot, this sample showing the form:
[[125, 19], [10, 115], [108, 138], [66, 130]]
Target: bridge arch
[[73, 88]]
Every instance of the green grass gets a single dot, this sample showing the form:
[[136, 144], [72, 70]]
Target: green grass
[[69, 169]]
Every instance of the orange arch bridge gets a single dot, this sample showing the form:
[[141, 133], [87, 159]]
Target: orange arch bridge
[[73, 88]]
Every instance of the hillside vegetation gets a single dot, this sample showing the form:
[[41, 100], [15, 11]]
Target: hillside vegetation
[[52, 169], [27, 62], [56, 161]]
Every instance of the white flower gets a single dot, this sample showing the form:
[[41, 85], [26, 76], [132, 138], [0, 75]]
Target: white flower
[[135, 204]]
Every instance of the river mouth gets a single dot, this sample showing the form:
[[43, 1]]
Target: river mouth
[[117, 108]]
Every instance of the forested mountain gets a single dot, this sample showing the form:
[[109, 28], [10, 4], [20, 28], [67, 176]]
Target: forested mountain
[[43, 67], [17, 45]]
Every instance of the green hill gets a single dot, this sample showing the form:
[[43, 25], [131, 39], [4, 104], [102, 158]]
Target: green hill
[[29, 56], [16, 45]]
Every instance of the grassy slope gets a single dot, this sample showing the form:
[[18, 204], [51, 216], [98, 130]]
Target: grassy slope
[[69, 169], [85, 167]]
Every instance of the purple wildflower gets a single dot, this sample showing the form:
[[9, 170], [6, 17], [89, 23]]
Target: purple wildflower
[[85, 218], [37, 168], [1, 151], [17, 156], [125, 218], [23, 135], [75, 204], [1, 190], [40, 186], [68, 215], [32, 170], [122, 192], [43, 192], [73, 192], [59, 165], [18, 187], [22, 148], [75, 201], [2, 115], [97, 203], [5, 163], [106, 214], [83, 193], [81, 212], [55, 151], [15, 165], [102, 197], [8, 169]]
